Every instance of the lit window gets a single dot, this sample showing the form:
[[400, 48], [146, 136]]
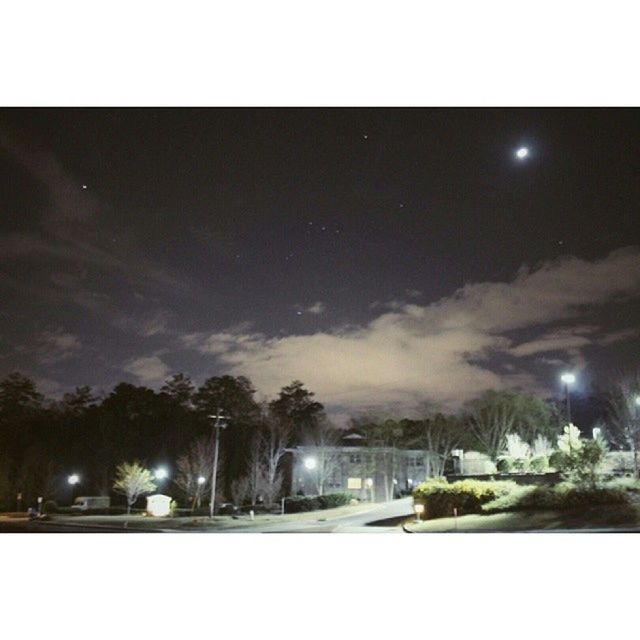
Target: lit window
[[354, 483]]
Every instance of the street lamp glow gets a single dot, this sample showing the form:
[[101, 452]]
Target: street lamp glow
[[161, 473], [74, 478], [201, 479], [522, 153], [568, 378], [638, 400], [310, 463]]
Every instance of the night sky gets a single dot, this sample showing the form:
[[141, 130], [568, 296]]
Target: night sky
[[382, 256]]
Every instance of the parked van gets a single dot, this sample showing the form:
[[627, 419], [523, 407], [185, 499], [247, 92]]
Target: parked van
[[87, 503]]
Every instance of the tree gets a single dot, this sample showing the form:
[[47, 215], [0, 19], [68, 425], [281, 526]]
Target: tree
[[437, 435], [180, 389], [78, 401], [274, 439], [623, 423], [380, 453], [193, 466], [232, 395], [133, 480], [323, 441], [296, 406], [579, 459], [498, 413]]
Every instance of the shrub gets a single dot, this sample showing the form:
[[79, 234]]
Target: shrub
[[520, 464], [50, 506], [332, 500], [558, 460], [560, 497], [467, 496], [539, 464], [504, 465], [627, 483], [298, 504]]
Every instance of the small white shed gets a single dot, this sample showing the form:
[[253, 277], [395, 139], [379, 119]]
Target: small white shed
[[158, 505]]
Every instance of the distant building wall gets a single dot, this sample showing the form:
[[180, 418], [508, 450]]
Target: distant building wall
[[369, 473]]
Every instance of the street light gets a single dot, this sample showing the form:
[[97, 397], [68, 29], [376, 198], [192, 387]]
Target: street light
[[161, 473], [310, 463], [567, 379], [201, 480], [220, 421], [73, 479]]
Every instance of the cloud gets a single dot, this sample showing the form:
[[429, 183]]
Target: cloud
[[315, 309], [564, 339], [619, 336], [147, 369], [56, 346], [440, 351]]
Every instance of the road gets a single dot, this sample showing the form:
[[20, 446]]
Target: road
[[386, 517], [381, 518]]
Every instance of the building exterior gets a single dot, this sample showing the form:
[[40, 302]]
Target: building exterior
[[369, 473]]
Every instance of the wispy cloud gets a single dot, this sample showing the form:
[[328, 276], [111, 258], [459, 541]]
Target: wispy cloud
[[438, 351], [148, 369]]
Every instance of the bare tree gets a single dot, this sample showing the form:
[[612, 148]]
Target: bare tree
[[240, 490], [133, 480], [194, 471], [324, 440], [437, 435], [274, 439], [624, 415]]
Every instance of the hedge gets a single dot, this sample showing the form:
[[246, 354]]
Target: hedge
[[467, 496], [560, 497], [297, 504]]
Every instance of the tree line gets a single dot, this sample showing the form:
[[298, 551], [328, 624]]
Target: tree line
[[42, 441]]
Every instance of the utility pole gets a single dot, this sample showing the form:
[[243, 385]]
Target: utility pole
[[220, 422]]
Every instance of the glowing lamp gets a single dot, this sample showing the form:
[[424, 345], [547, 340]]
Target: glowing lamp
[[73, 479], [310, 463], [161, 473], [522, 153], [201, 479], [568, 378]]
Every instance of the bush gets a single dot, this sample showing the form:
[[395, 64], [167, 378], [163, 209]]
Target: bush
[[558, 460], [504, 465], [626, 483], [467, 496], [520, 464], [560, 497], [332, 500], [539, 464], [50, 506], [298, 504]]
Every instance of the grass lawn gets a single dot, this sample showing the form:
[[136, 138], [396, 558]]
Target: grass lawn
[[596, 517], [137, 521]]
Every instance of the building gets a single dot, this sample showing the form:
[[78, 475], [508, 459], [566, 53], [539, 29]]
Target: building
[[368, 472]]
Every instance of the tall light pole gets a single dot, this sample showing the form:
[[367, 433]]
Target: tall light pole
[[567, 379], [219, 422]]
